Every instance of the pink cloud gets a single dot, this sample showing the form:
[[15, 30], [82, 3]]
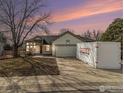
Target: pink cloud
[[93, 7], [79, 29]]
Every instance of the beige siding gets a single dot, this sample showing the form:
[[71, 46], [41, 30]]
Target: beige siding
[[62, 40], [53, 49]]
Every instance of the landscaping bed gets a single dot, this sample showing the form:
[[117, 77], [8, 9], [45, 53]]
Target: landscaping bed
[[28, 67]]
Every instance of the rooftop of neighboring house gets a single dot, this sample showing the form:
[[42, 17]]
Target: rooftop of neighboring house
[[43, 39], [48, 39]]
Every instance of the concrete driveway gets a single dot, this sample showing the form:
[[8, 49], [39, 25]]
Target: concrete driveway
[[75, 77], [73, 68]]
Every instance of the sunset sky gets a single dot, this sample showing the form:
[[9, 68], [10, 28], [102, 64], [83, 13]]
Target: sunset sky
[[83, 15]]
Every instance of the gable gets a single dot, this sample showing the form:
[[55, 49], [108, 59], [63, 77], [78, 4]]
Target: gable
[[37, 38], [43, 39], [67, 37]]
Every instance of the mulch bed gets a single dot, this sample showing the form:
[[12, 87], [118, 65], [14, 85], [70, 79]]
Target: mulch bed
[[28, 67]]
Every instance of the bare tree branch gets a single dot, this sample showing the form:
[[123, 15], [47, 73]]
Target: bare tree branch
[[22, 17], [95, 35]]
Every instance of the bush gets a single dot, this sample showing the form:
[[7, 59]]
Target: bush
[[29, 54], [7, 47]]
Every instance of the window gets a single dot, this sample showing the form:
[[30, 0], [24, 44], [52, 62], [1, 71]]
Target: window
[[34, 46], [27, 48], [30, 46], [67, 41], [47, 48], [27, 44]]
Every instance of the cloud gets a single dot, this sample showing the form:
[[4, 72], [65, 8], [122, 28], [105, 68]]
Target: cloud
[[92, 7], [79, 29]]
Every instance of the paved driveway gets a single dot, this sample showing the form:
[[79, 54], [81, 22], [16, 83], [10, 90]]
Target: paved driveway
[[75, 77], [81, 72]]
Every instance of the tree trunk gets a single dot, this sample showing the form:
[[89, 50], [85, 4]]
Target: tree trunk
[[15, 52]]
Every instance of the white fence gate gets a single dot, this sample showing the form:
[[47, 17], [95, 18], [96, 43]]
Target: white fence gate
[[100, 54]]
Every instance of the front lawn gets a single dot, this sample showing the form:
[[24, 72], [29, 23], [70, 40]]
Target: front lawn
[[28, 67]]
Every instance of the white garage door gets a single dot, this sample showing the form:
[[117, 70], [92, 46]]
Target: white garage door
[[66, 51]]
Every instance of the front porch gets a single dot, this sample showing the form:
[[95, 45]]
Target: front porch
[[35, 48]]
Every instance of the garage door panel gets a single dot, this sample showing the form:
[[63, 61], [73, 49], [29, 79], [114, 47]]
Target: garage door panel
[[66, 51]]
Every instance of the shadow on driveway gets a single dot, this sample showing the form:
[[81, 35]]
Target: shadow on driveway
[[26, 67]]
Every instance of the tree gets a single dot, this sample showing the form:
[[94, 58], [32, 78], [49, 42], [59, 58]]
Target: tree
[[95, 35], [7, 46], [114, 31], [22, 17], [2, 42], [2, 38], [66, 30], [87, 34]]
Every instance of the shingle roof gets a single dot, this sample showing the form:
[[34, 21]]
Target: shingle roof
[[50, 38], [43, 39], [85, 39], [77, 36]]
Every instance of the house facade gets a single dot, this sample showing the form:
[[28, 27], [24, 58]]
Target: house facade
[[63, 45]]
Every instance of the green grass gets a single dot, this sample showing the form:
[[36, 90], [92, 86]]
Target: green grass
[[28, 67]]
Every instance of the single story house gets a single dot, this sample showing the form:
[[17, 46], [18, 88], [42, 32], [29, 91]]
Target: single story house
[[63, 45]]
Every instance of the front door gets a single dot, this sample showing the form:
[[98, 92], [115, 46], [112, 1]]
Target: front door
[[37, 49], [41, 49]]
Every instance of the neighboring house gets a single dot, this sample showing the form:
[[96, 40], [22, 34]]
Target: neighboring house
[[63, 45]]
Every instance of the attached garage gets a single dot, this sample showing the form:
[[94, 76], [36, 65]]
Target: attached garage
[[65, 50], [65, 45]]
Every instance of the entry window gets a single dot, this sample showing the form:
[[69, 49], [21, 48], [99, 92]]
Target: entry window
[[27, 49], [27, 44], [47, 48], [67, 41], [30, 46]]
